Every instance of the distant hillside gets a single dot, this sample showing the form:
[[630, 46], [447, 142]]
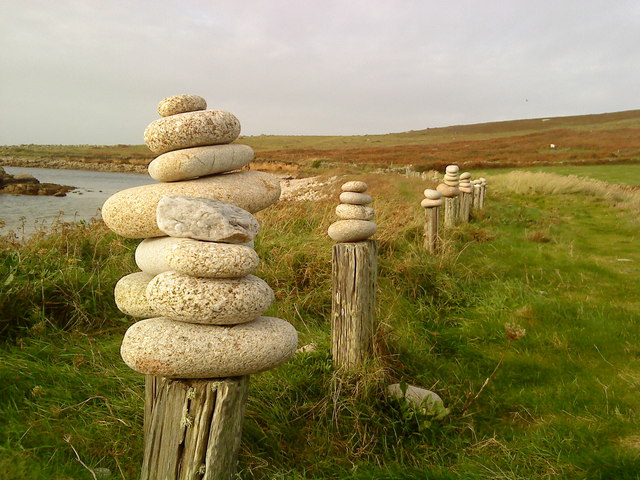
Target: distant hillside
[[584, 139]]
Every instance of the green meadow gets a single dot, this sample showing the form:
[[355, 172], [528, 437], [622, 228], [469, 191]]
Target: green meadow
[[527, 326]]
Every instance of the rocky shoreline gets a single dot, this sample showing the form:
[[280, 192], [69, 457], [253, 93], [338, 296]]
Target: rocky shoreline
[[68, 164], [25, 184]]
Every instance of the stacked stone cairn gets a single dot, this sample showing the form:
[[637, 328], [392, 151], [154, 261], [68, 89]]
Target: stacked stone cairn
[[466, 197], [431, 204], [355, 224], [354, 277], [201, 304], [449, 190]]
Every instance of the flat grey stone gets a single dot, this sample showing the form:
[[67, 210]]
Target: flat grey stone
[[191, 129], [181, 104], [199, 161], [355, 198], [160, 346], [429, 203], [130, 295], [419, 398], [132, 212], [205, 219], [351, 230], [215, 301], [453, 169], [465, 176], [195, 258], [355, 186], [347, 211]]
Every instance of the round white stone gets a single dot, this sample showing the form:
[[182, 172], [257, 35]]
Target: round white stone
[[216, 301], [354, 212], [205, 219], [465, 176], [199, 161], [132, 212], [429, 203], [354, 198], [432, 194], [355, 186], [351, 230], [160, 346], [191, 129], [181, 104], [452, 169], [418, 397], [130, 295], [195, 258]]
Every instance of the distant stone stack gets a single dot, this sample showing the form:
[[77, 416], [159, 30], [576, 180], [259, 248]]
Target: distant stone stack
[[196, 290], [449, 190], [431, 204], [355, 224], [466, 197]]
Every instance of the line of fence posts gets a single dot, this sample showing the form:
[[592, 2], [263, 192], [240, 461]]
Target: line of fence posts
[[354, 276]]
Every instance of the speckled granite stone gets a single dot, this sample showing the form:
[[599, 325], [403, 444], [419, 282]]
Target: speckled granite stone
[[351, 230], [199, 161], [160, 346], [132, 212], [355, 198], [130, 295], [355, 186], [181, 104], [217, 301], [195, 258], [346, 211], [205, 219], [191, 129]]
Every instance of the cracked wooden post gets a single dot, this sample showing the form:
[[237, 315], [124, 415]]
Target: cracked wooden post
[[431, 204], [466, 197], [202, 333], [475, 202], [449, 190], [354, 276]]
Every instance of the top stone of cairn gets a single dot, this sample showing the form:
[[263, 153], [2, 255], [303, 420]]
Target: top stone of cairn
[[181, 104]]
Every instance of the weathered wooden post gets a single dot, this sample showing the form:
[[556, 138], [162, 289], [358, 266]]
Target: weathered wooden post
[[354, 273], [483, 191], [466, 197], [475, 202], [449, 190], [431, 204], [203, 333]]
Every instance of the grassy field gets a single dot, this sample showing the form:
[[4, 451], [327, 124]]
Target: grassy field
[[557, 257], [610, 138]]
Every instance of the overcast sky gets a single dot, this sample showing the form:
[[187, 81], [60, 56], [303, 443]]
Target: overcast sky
[[93, 71]]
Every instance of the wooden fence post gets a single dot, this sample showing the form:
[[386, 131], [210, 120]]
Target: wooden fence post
[[431, 204], [475, 204], [354, 276], [466, 194], [449, 190]]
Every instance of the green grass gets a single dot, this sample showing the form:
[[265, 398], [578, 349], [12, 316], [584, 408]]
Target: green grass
[[563, 403], [617, 174]]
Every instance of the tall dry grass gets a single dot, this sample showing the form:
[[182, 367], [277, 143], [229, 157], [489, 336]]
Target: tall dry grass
[[542, 183]]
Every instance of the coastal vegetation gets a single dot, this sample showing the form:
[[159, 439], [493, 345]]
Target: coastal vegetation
[[538, 294]]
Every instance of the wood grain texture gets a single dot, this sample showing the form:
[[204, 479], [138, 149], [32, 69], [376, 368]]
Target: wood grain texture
[[192, 428], [432, 241], [353, 322], [465, 207], [451, 207]]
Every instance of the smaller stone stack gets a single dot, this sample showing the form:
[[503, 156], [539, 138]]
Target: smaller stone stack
[[355, 224], [354, 276], [431, 204], [466, 197], [449, 190], [202, 333]]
